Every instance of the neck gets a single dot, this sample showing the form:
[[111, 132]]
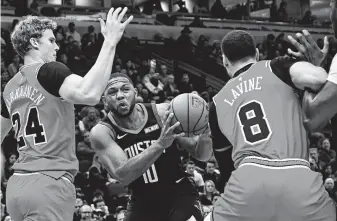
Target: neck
[[133, 121], [32, 58], [237, 66]]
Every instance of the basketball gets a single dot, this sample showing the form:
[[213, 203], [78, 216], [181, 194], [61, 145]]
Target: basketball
[[192, 113]]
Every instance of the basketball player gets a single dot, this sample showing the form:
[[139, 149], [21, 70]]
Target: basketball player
[[137, 146], [39, 103], [259, 112]]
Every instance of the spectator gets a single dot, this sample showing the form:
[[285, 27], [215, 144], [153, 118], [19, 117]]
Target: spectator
[[85, 154], [315, 163], [185, 85], [326, 154], [329, 187], [211, 173], [90, 120], [120, 216], [171, 89], [190, 169], [60, 35], [14, 67], [86, 213], [73, 33], [282, 13], [77, 213], [206, 198]]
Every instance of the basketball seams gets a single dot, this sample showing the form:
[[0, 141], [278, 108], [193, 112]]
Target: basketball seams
[[174, 114], [204, 127], [203, 109]]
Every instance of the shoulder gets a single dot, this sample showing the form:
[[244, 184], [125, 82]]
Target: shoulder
[[100, 132]]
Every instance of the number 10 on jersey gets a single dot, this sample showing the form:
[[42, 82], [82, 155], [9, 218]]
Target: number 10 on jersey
[[150, 176]]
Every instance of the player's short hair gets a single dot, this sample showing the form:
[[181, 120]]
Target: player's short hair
[[31, 27], [212, 162], [190, 162], [119, 75], [238, 45]]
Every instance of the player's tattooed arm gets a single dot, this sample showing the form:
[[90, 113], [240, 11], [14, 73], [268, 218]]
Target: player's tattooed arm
[[200, 147]]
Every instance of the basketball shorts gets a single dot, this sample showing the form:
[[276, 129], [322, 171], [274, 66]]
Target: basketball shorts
[[178, 209], [274, 190], [36, 196]]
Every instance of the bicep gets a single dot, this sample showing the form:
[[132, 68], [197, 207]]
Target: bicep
[[306, 75], [69, 90], [109, 152]]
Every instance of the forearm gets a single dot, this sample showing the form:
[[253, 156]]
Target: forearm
[[319, 109], [95, 81], [134, 167], [204, 150], [199, 147]]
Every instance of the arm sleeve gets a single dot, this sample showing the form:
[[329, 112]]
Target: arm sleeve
[[219, 140], [281, 68], [4, 110], [52, 75]]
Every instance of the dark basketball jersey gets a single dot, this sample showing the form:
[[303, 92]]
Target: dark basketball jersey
[[261, 116], [44, 125], [166, 171]]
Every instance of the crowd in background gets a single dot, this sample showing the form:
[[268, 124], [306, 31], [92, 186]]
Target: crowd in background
[[99, 196]]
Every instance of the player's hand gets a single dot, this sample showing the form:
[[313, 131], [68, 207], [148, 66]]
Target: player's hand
[[308, 49], [113, 28], [167, 135]]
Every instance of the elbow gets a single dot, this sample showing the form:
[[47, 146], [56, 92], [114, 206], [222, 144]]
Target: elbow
[[121, 177], [91, 99], [311, 126]]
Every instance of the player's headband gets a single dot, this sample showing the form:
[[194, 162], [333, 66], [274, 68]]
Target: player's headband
[[116, 80]]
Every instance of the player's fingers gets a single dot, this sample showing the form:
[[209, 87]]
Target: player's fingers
[[173, 127], [179, 135], [168, 121], [309, 38], [128, 21], [165, 116], [295, 54], [122, 14], [116, 13], [303, 41], [296, 44], [326, 45], [102, 23], [109, 16]]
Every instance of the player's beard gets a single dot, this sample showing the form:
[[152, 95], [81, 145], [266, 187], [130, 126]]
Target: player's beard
[[119, 115]]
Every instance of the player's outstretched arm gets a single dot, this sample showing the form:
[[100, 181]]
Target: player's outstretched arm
[[320, 108], [89, 89], [116, 161]]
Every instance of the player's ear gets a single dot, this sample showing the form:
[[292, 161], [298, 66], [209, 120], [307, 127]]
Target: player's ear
[[34, 43], [257, 54], [136, 91], [224, 60]]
